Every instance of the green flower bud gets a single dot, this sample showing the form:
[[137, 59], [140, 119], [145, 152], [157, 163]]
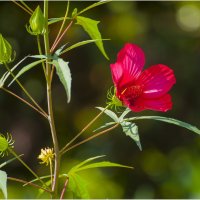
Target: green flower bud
[[116, 101], [113, 100], [37, 22], [3, 143], [5, 50]]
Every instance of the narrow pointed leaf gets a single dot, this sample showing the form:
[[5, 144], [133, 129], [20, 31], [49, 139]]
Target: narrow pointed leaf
[[73, 169], [9, 161], [64, 74], [110, 113], [78, 44], [3, 183], [104, 126], [94, 5], [25, 69], [101, 164], [124, 114], [131, 130], [59, 51], [39, 56], [41, 177], [54, 20], [78, 186], [168, 120], [90, 26], [7, 74]]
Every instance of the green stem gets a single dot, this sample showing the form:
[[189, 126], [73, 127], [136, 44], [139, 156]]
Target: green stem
[[24, 101], [83, 130], [90, 138], [25, 91], [63, 23], [28, 183], [51, 170], [25, 165], [50, 108], [40, 52]]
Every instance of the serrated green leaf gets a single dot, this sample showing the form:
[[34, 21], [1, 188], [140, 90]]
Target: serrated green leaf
[[3, 183], [78, 186], [64, 75], [25, 69], [168, 120], [78, 44], [73, 169], [104, 126], [101, 164], [110, 113], [131, 130], [90, 26], [94, 5]]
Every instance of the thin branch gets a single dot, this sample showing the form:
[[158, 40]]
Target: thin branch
[[23, 8], [28, 183], [24, 101], [58, 40], [63, 23], [25, 5], [25, 165], [64, 188], [84, 129], [25, 91], [90, 138]]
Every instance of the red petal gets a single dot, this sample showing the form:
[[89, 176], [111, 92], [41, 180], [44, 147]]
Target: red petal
[[117, 73], [130, 61], [162, 104], [156, 80]]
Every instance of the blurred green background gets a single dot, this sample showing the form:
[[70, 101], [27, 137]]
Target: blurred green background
[[169, 165]]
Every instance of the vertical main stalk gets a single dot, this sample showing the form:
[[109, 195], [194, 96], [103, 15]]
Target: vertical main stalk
[[50, 108]]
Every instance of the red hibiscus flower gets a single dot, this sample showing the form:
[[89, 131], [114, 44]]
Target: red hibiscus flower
[[141, 90]]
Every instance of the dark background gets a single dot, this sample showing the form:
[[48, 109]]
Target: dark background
[[169, 165]]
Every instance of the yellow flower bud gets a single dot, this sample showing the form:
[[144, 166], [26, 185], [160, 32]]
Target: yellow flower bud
[[46, 155], [5, 51], [37, 22]]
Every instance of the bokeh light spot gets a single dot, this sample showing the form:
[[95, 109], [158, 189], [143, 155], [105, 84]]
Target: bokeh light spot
[[188, 17]]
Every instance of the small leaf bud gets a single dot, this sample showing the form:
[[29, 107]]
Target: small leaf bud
[[5, 51]]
